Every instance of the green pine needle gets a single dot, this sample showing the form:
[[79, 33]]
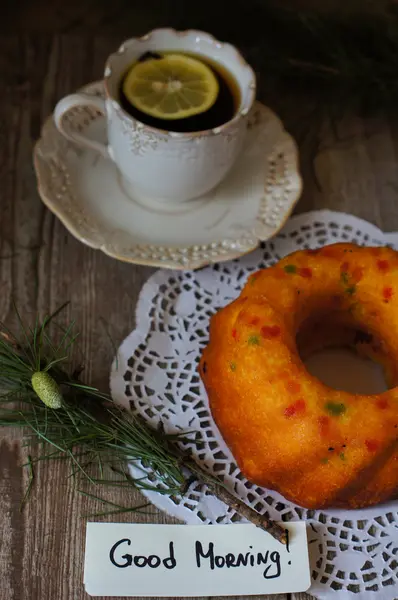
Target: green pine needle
[[117, 509], [30, 483]]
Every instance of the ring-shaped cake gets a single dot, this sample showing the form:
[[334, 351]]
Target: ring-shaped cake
[[317, 446]]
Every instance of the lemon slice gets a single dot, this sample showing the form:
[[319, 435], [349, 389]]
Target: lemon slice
[[172, 87]]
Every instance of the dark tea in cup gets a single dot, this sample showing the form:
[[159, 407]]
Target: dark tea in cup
[[173, 74]]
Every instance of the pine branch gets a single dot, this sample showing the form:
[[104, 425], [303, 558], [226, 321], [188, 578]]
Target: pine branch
[[40, 393]]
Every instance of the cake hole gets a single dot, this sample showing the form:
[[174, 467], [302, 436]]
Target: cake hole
[[344, 355], [342, 369]]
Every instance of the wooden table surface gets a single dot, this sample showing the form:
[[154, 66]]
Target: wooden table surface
[[42, 265]]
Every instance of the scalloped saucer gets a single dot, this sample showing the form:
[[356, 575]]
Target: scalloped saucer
[[85, 191]]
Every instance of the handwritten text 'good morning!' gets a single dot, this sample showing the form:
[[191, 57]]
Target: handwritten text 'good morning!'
[[205, 556]]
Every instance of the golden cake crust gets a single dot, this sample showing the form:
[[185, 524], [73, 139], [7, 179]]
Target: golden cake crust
[[288, 431]]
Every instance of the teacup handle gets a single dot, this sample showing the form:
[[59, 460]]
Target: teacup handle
[[71, 101]]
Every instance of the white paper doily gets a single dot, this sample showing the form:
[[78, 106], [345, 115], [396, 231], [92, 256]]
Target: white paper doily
[[354, 554]]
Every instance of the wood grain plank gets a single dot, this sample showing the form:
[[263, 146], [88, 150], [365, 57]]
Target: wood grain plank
[[11, 475], [12, 539]]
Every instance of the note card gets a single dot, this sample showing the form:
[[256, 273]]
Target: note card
[[193, 560]]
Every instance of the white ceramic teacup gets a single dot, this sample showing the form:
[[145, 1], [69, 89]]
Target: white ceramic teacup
[[163, 164]]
